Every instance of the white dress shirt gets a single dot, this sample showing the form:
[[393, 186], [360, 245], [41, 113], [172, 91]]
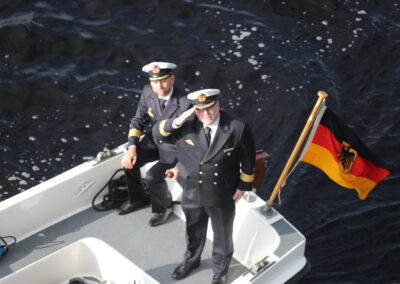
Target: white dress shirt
[[214, 127], [166, 98]]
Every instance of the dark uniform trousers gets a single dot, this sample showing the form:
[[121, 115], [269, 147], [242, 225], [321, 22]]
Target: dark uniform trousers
[[160, 197], [197, 217]]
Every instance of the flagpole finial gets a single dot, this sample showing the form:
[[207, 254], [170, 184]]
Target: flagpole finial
[[322, 94]]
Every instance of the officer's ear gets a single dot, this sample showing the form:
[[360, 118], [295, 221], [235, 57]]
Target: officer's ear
[[172, 78]]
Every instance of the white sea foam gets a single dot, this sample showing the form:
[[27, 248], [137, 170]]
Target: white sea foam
[[252, 61], [13, 177], [87, 158], [243, 34], [24, 174]]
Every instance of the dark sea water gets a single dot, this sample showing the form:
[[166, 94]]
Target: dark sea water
[[70, 79]]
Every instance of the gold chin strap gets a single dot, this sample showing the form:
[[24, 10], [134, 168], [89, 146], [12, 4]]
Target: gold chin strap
[[159, 78]]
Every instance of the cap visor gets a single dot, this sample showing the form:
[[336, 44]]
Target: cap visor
[[202, 107]]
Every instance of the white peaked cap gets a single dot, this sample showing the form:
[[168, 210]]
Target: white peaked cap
[[206, 92], [204, 99], [162, 65]]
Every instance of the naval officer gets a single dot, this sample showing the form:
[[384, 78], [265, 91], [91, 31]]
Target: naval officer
[[216, 159], [159, 100]]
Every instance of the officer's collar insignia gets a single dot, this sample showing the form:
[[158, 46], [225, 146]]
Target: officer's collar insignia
[[189, 141], [346, 156], [156, 69], [202, 98], [150, 112]]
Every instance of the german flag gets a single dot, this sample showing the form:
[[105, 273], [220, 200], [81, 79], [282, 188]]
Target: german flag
[[341, 155]]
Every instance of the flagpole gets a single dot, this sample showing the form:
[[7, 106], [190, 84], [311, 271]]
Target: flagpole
[[266, 209]]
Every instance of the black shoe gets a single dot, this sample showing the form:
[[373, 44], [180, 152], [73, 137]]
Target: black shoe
[[129, 207], [218, 279], [184, 269], [159, 218]]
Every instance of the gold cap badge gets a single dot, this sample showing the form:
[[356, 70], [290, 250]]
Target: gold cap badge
[[156, 69], [202, 98]]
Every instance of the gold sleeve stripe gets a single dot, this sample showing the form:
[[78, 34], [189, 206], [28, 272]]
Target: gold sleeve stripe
[[162, 131], [134, 132], [246, 178]]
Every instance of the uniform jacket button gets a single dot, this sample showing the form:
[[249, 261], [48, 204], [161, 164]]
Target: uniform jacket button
[[216, 174], [215, 165], [200, 181]]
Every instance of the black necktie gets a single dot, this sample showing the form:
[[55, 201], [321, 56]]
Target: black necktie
[[162, 104], [207, 131]]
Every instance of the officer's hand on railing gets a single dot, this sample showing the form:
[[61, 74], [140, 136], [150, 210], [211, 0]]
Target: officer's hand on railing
[[184, 116], [172, 173]]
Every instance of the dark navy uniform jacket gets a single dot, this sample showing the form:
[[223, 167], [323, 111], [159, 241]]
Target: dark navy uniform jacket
[[211, 175], [149, 111]]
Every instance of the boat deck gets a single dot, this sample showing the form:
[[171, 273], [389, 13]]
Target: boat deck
[[156, 250]]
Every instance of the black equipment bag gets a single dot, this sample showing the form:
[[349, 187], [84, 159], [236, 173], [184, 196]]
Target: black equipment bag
[[117, 193]]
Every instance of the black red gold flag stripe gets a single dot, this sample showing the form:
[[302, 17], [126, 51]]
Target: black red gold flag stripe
[[341, 155]]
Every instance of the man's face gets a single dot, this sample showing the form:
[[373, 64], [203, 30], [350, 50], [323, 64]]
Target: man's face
[[163, 87], [209, 115]]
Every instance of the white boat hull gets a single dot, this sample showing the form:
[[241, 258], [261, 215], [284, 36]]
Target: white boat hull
[[255, 236]]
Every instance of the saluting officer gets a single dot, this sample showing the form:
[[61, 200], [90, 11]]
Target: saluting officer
[[159, 100], [216, 159]]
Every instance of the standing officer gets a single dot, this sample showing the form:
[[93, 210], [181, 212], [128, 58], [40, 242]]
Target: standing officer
[[159, 100], [216, 159]]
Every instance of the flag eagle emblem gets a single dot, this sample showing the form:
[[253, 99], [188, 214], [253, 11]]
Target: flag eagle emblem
[[346, 156]]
